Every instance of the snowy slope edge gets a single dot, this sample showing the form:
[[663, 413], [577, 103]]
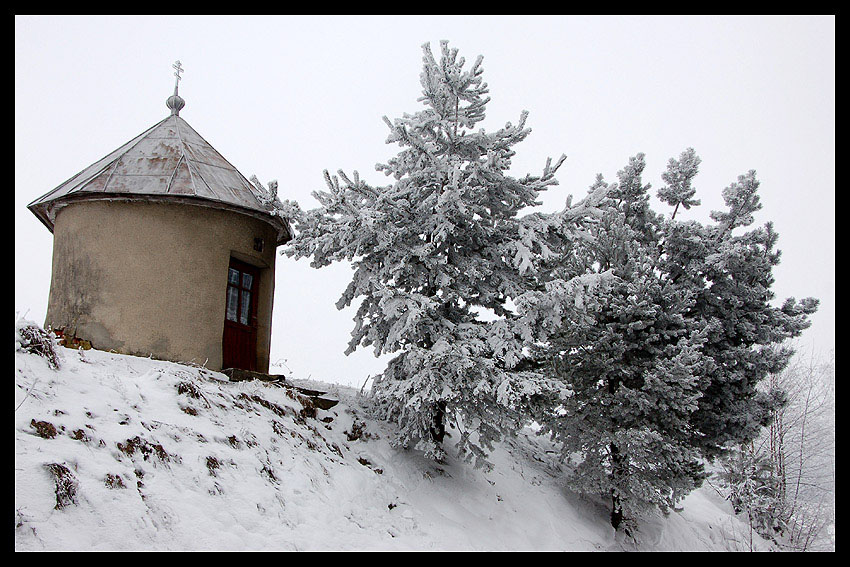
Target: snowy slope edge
[[116, 452]]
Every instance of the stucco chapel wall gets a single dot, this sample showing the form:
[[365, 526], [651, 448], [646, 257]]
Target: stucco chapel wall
[[149, 278]]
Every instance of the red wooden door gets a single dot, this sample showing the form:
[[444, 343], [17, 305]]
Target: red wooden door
[[239, 343]]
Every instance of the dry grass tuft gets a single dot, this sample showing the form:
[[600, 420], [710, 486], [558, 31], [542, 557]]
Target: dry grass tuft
[[65, 485], [213, 464], [43, 429], [145, 448], [114, 481]]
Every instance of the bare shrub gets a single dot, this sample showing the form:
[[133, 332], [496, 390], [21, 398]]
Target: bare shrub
[[35, 340]]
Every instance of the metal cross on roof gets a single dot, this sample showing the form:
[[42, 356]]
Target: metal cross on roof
[[174, 102], [178, 68]]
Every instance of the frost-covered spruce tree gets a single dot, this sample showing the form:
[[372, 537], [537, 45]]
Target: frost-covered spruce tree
[[729, 273], [625, 350], [663, 354], [430, 251]]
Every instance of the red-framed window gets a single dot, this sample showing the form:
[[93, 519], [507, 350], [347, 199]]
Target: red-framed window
[[241, 306]]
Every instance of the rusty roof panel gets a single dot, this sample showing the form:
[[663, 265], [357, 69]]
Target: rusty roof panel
[[139, 184], [182, 182]]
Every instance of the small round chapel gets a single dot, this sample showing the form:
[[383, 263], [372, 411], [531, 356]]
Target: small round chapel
[[162, 248]]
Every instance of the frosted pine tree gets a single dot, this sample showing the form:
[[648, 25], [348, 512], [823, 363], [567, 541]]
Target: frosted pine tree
[[729, 273], [663, 352], [432, 250], [624, 349]]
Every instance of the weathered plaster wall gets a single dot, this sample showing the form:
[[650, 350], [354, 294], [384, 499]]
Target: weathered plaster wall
[[148, 278]]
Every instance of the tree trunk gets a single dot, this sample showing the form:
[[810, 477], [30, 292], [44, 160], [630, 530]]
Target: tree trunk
[[438, 429], [617, 474], [616, 509]]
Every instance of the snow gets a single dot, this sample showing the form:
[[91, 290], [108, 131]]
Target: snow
[[244, 466]]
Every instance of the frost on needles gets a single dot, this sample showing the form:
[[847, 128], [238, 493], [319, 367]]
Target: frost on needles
[[635, 340], [444, 241], [665, 361]]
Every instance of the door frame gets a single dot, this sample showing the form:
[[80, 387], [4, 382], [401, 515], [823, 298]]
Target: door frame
[[232, 355]]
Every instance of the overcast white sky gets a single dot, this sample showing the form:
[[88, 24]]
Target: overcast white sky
[[286, 97]]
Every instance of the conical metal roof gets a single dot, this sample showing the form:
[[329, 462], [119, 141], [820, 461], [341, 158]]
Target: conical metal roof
[[168, 162]]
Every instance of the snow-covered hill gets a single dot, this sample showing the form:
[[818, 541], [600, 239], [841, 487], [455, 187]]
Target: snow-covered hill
[[117, 452]]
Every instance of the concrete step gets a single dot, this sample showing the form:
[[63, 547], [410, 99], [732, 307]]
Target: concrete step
[[316, 396]]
